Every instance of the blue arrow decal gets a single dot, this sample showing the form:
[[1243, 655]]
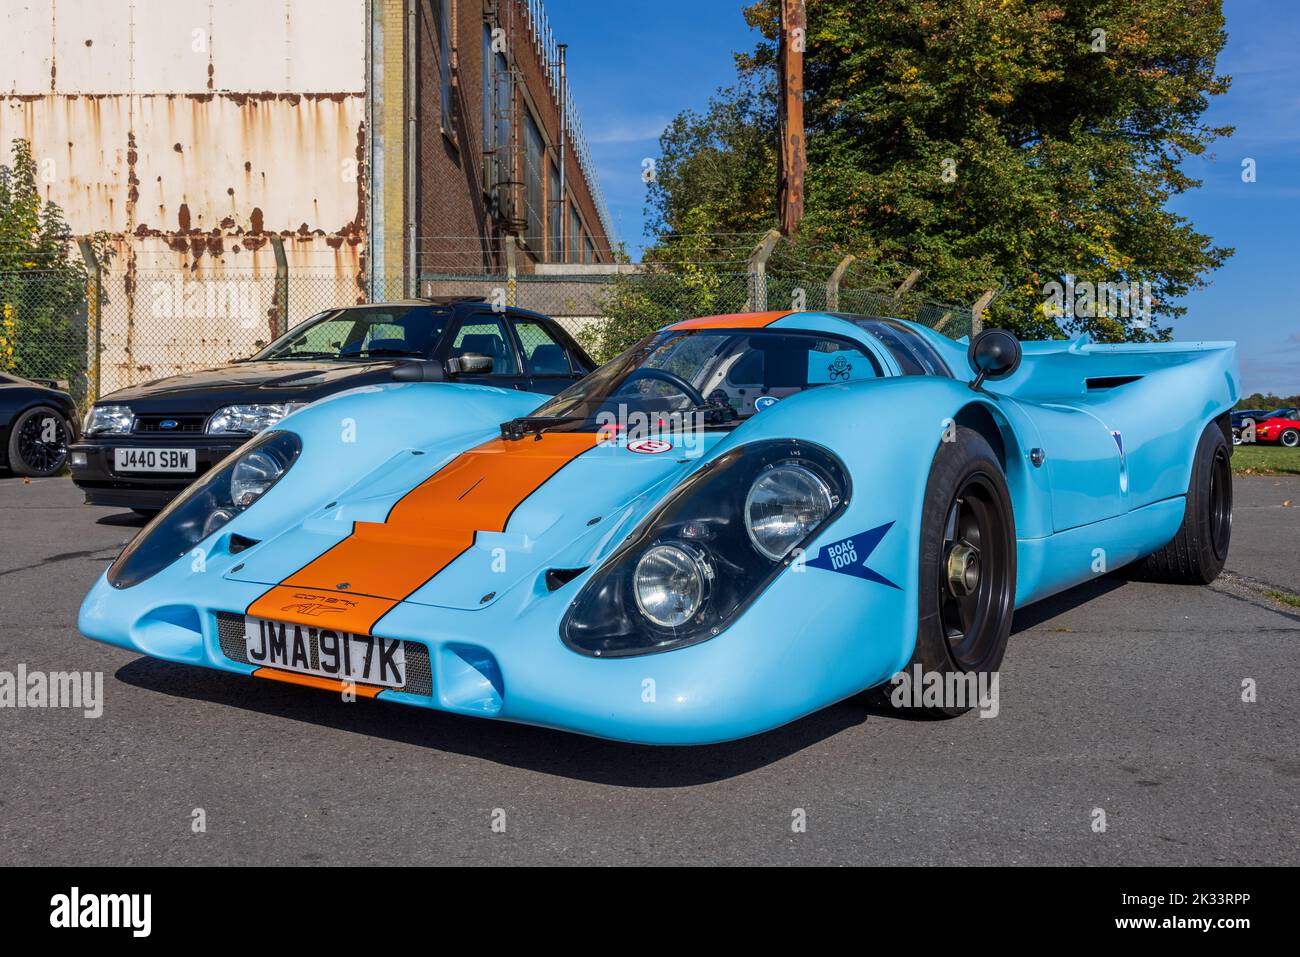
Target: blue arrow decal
[[849, 555]]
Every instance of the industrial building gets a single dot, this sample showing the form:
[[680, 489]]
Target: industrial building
[[361, 144]]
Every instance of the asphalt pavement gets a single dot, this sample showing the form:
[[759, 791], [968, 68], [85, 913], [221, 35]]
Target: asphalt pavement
[[1119, 699]]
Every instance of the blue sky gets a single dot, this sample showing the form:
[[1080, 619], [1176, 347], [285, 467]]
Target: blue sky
[[635, 64]]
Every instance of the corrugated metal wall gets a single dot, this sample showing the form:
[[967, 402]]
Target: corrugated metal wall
[[191, 131]]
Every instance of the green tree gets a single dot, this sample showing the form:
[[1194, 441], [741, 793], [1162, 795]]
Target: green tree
[[987, 142], [42, 285]]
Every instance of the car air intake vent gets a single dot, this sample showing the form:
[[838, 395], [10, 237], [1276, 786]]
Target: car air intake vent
[[169, 424], [559, 577], [1104, 382], [239, 543]]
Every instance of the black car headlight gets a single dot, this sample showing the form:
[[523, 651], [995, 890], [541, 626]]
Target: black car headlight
[[205, 507], [708, 550]]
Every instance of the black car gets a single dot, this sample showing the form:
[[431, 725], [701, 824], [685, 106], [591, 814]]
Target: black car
[[36, 424], [143, 444]]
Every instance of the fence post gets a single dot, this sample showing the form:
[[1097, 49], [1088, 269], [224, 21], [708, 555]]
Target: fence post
[[512, 269], [833, 284], [93, 316], [756, 301], [977, 311], [906, 284], [281, 289]]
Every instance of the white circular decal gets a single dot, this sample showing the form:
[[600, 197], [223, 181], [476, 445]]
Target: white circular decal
[[649, 446], [764, 402]]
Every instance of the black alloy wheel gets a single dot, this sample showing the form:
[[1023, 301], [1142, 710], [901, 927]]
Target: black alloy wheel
[[38, 444]]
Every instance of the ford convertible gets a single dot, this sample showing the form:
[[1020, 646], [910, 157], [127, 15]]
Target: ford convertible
[[739, 521]]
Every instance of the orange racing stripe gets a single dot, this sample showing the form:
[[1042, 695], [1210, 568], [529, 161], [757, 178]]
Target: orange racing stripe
[[739, 320], [314, 681], [381, 563]]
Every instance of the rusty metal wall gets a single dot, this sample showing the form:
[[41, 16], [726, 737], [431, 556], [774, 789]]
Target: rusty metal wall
[[191, 131]]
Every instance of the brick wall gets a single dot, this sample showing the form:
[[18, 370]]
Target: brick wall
[[457, 231]]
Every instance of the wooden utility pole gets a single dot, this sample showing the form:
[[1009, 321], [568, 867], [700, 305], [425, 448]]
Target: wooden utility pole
[[793, 157]]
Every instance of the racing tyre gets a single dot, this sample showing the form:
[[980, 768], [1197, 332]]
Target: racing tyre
[[967, 576], [38, 442], [1197, 553], [1290, 438]]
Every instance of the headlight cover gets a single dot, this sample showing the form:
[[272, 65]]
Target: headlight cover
[[708, 550], [249, 419], [108, 419], [206, 506]]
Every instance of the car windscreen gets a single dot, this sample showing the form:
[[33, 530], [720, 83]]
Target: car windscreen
[[731, 374], [362, 332]]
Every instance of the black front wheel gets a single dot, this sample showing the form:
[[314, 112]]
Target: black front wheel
[[38, 442], [967, 582]]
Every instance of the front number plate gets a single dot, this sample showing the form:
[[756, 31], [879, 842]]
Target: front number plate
[[308, 650], [154, 460]]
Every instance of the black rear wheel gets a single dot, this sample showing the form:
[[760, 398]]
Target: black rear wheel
[[967, 575], [1290, 438], [1197, 553], [38, 442]]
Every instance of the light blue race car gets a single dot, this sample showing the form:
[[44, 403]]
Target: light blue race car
[[741, 520]]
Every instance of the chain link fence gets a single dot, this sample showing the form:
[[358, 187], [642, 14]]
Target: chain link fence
[[44, 328], [148, 324]]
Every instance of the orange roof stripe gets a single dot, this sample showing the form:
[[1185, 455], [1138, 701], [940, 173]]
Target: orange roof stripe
[[738, 320]]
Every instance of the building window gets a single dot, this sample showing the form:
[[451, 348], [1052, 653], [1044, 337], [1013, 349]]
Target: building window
[[555, 218], [588, 250], [444, 66], [575, 232], [487, 87], [534, 202], [496, 112]]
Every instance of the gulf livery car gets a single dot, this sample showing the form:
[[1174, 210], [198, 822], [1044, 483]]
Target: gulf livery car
[[739, 521]]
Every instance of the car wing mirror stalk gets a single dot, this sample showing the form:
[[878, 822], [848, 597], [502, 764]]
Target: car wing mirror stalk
[[421, 370]]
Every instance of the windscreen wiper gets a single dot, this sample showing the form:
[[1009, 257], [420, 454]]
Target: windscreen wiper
[[305, 355], [516, 429]]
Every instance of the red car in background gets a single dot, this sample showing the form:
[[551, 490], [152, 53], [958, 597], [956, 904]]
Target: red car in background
[[1282, 431]]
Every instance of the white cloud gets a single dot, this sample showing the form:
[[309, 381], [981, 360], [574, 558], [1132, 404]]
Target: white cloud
[[640, 131]]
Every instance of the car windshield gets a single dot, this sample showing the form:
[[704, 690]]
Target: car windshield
[[728, 374], [362, 332]]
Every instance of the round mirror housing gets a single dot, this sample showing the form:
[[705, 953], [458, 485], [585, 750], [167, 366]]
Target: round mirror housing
[[993, 354]]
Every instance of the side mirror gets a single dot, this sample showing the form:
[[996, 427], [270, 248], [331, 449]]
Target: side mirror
[[993, 354], [469, 363]]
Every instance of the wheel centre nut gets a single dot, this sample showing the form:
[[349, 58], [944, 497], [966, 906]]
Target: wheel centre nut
[[963, 569]]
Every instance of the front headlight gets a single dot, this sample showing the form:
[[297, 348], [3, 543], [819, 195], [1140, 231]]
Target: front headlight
[[108, 419], [255, 472], [708, 550], [783, 506], [670, 584], [206, 507], [249, 419]]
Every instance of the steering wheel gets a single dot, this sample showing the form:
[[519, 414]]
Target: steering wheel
[[671, 378]]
